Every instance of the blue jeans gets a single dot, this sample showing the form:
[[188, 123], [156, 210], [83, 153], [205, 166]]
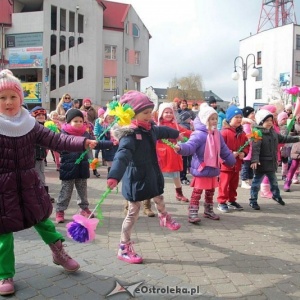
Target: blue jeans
[[246, 172], [255, 186]]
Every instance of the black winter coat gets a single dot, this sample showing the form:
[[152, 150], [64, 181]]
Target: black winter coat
[[136, 161]]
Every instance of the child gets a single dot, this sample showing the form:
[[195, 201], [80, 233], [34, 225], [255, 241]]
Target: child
[[234, 137], [24, 200], [90, 129], [98, 129], [170, 162], [285, 150], [264, 154], [136, 164], [248, 122], [40, 115], [206, 145], [108, 154], [53, 116], [74, 174]]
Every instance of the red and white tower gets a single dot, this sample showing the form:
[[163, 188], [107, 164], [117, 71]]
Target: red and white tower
[[275, 13]]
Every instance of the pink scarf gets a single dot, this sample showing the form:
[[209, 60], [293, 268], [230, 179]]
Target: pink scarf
[[212, 151], [74, 130]]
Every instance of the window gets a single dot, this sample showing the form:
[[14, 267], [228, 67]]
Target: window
[[71, 21], [258, 58], [127, 28], [63, 20], [109, 83], [71, 42], [62, 75], [71, 74], [258, 94], [137, 57], [53, 17], [110, 52], [135, 30], [53, 44], [53, 78], [297, 70], [126, 55], [259, 76], [127, 84], [80, 40], [62, 43], [297, 42], [79, 72], [80, 23]]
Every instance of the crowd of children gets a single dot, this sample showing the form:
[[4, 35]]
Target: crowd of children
[[141, 155]]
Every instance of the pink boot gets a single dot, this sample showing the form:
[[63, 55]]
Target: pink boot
[[165, 220], [60, 257], [265, 191], [127, 253], [7, 286]]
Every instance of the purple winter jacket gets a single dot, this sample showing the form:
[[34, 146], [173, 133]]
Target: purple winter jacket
[[196, 145], [24, 201]]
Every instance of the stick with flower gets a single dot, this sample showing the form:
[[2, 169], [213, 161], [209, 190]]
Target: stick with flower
[[52, 126], [254, 136], [123, 116]]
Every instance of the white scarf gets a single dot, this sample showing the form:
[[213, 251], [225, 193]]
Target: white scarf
[[18, 125]]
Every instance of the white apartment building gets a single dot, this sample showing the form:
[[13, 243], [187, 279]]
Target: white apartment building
[[277, 57], [87, 48]]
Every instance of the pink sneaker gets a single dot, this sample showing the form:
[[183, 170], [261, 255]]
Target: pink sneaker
[[87, 213], [127, 253], [167, 221], [60, 217], [7, 286]]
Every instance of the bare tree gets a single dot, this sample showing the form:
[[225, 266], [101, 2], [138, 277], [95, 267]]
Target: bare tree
[[188, 87]]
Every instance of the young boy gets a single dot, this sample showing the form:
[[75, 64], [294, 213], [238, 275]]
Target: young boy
[[234, 137], [264, 156]]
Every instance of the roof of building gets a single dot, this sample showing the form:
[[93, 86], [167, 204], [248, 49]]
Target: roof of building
[[114, 14], [208, 94]]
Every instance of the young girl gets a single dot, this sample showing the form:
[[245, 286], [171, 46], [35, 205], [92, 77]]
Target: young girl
[[264, 153], [136, 164], [90, 129], [53, 116], [207, 146], [108, 154], [71, 173], [170, 162], [98, 128], [24, 200], [248, 122]]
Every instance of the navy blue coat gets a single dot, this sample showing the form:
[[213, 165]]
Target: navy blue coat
[[136, 162]]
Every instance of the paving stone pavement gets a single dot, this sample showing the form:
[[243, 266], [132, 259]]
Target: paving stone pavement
[[246, 255]]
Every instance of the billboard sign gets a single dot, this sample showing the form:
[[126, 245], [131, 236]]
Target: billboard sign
[[32, 92], [30, 57]]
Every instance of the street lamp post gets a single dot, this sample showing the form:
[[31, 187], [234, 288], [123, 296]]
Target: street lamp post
[[254, 72]]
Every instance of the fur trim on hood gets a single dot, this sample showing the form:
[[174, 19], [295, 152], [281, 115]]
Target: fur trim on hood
[[118, 131]]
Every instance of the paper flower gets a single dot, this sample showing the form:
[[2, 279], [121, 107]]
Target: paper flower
[[123, 113], [253, 136], [82, 229], [52, 126], [294, 90], [94, 163]]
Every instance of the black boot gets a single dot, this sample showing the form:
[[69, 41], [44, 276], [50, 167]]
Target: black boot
[[96, 173]]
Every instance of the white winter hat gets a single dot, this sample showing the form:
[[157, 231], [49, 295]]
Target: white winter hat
[[205, 112], [262, 115], [161, 109]]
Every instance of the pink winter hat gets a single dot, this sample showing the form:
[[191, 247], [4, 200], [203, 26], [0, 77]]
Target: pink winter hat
[[85, 100], [270, 108], [101, 111], [9, 82], [137, 100], [282, 116]]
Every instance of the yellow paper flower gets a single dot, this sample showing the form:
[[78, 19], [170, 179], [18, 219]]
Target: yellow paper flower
[[123, 114]]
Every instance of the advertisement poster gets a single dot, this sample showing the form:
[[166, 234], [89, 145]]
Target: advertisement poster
[[30, 57], [32, 92]]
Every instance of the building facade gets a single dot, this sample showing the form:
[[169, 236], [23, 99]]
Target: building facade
[[84, 48], [277, 57]]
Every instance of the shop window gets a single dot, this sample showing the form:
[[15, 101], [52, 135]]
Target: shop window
[[71, 74], [53, 18], [53, 78]]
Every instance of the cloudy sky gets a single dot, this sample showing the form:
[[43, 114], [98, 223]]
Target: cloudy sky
[[197, 36]]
